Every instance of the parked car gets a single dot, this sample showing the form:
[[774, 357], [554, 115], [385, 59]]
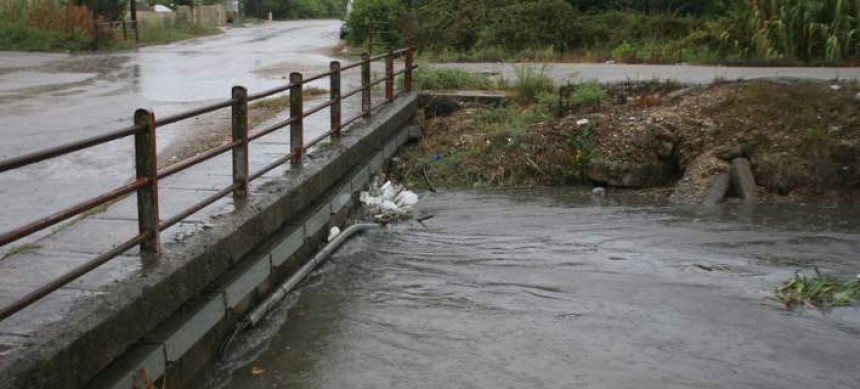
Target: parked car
[[344, 30]]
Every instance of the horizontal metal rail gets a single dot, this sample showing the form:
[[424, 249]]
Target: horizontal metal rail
[[68, 213], [53, 152], [148, 175]]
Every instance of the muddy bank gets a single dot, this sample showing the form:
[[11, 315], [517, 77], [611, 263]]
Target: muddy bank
[[757, 141]]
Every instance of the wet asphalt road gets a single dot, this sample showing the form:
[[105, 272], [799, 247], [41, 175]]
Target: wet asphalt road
[[552, 288], [51, 99]]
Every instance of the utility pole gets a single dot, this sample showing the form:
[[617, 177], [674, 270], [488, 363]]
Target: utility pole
[[132, 6]]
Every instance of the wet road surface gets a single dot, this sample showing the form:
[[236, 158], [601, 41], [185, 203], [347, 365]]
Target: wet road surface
[[51, 99], [552, 288]]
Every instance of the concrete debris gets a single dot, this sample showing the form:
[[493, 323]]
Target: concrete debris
[[333, 233], [743, 180]]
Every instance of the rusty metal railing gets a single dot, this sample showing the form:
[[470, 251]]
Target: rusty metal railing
[[148, 175]]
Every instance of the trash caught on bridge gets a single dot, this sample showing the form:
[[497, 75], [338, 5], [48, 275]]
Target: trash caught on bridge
[[388, 202]]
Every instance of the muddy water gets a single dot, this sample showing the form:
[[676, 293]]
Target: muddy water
[[554, 288]]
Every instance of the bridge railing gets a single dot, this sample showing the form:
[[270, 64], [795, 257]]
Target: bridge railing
[[148, 175]]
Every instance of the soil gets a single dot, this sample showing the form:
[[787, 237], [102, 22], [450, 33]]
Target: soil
[[802, 140]]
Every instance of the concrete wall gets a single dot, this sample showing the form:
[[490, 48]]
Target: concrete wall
[[172, 320]]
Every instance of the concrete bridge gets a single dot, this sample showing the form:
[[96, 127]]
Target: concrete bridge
[[162, 303]]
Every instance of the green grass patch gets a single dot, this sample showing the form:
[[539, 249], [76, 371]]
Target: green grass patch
[[530, 84], [820, 291], [20, 37], [450, 79], [167, 34]]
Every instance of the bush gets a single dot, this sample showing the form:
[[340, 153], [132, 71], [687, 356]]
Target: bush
[[530, 84], [588, 94], [385, 13], [530, 25]]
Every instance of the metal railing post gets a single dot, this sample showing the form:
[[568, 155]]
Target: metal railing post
[[365, 85], [296, 114], [240, 134], [407, 77], [334, 95], [146, 166], [389, 76]]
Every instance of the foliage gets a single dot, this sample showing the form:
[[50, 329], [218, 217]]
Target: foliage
[[296, 9], [172, 33], [530, 84], [385, 14], [449, 79], [45, 27], [588, 94], [819, 291], [543, 23]]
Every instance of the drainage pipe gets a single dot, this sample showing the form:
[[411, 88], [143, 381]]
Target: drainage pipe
[[260, 311]]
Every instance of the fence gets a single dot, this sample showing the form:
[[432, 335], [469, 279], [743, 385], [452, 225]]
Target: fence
[[148, 174]]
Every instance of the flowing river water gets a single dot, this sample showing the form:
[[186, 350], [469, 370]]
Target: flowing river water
[[552, 288]]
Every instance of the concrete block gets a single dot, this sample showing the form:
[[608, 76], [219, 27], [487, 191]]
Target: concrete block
[[141, 365], [390, 148], [243, 283], [318, 221], [342, 200], [414, 132], [718, 189], [361, 179], [402, 137], [376, 162], [183, 330], [287, 247], [743, 180]]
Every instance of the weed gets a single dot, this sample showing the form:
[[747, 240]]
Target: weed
[[449, 79], [24, 248], [588, 94], [819, 291], [531, 83]]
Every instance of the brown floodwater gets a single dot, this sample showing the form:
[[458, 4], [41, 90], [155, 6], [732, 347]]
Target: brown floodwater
[[549, 288]]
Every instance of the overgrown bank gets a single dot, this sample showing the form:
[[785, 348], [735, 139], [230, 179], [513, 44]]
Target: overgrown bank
[[802, 139], [783, 31]]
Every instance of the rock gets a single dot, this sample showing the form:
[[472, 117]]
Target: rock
[[718, 189], [598, 192], [729, 152], [702, 182], [441, 106], [743, 180], [857, 96], [631, 175], [665, 149]]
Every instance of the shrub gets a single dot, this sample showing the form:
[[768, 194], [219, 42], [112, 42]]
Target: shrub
[[588, 94], [530, 84], [528, 25]]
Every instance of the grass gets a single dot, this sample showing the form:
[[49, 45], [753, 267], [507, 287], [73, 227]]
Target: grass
[[820, 291], [24, 248], [530, 84], [450, 79], [20, 37], [162, 35]]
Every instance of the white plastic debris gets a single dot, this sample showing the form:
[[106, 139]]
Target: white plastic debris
[[599, 191], [333, 233], [388, 202], [406, 198], [582, 122], [835, 87]]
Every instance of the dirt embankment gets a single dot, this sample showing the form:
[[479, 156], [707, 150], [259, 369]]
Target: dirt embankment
[[800, 141]]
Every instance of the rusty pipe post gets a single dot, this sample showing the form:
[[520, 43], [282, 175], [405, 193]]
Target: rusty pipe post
[[407, 77], [389, 76], [296, 115], [146, 167], [240, 135], [334, 95], [365, 85]]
